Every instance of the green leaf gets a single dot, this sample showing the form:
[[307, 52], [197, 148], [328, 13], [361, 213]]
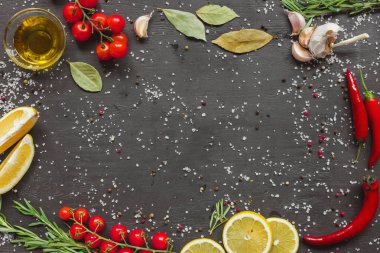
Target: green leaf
[[243, 41], [187, 23], [86, 76], [214, 14]]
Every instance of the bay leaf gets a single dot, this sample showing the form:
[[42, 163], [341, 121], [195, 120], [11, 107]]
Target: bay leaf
[[214, 14], [243, 41], [86, 76], [187, 23]]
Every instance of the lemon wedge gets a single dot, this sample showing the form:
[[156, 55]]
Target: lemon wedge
[[15, 124], [202, 245], [247, 232], [285, 236], [17, 163]]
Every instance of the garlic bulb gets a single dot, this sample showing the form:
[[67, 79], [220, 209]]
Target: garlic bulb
[[300, 53], [305, 35], [297, 21], [322, 39], [141, 26]]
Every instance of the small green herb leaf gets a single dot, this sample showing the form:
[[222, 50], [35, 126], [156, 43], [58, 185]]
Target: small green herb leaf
[[86, 76], [243, 41], [214, 14], [187, 23]]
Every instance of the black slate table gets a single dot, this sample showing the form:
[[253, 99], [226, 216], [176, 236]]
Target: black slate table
[[158, 150]]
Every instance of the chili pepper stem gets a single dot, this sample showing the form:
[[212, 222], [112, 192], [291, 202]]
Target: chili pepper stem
[[368, 94], [358, 152]]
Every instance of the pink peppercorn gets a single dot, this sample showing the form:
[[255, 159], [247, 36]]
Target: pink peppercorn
[[119, 150], [337, 195], [309, 143], [203, 102], [305, 113], [101, 111], [315, 94], [225, 203], [3, 98], [342, 214], [320, 153], [238, 210]]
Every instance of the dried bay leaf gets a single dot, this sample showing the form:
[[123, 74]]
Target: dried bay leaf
[[243, 41], [214, 14], [187, 23], [86, 76]]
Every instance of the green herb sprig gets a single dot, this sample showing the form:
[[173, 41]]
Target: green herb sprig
[[219, 215], [313, 8]]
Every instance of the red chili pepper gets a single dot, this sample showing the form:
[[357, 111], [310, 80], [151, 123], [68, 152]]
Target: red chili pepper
[[359, 223], [359, 112], [373, 110]]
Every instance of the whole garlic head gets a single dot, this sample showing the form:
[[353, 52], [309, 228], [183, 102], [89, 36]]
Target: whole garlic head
[[322, 39], [297, 21]]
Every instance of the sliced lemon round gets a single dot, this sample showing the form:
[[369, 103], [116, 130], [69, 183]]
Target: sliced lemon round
[[202, 245], [17, 163], [15, 124], [247, 232], [285, 236]]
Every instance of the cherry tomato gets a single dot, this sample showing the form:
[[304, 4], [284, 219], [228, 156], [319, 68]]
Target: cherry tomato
[[118, 49], [65, 213], [72, 13], [81, 31], [99, 20], [121, 37], [108, 247], [81, 215], [160, 241], [88, 3], [77, 232], [116, 23], [103, 51], [96, 223], [92, 241], [137, 238], [126, 250], [118, 233]]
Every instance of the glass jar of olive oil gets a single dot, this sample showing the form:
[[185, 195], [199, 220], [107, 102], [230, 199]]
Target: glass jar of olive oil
[[34, 39]]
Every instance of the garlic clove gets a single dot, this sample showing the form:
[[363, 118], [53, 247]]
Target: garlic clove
[[322, 39], [297, 21], [305, 35], [300, 53], [141, 26]]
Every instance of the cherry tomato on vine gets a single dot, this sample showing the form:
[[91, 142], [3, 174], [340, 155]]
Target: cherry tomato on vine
[[96, 223], [99, 20], [108, 247], [92, 241], [103, 51], [72, 13], [137, 238], [116, 23], [118, 49], [81, 215], [66, 213], [81, 31], [88, 3], [77, 232], [120, 37], [160, 241], [126, 250], [118, 233]]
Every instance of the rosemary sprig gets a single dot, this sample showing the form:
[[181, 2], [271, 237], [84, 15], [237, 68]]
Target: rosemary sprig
[[312, 8], [218, 216]]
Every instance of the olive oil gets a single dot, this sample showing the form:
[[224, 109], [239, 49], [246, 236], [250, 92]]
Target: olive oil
[[39, 41]]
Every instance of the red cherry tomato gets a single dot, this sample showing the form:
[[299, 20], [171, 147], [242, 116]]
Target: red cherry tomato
[[96, 223], [121, 37], [126, 250], [72, 13], [88, 3], [137, 238], [116, 23], [118, 49], [81, 31], [160, 241], [77, 232], [92, 241], [103, 51], [99, 20], [108, 247], [66, 213], [118, 233], [81, 215]]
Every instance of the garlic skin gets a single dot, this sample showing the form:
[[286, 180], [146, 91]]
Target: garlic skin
[[297, 21], [141, 26], [305, 35], [300, 53], [322, 39]]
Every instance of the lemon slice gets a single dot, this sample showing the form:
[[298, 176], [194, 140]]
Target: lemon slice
[[202, 246], [17, 163], [15, 124], [247, 232], [285, 236]]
